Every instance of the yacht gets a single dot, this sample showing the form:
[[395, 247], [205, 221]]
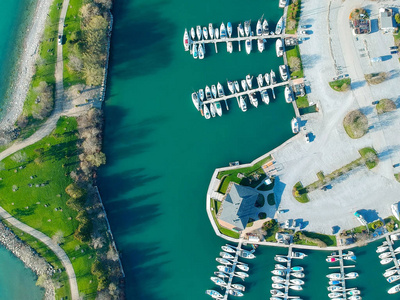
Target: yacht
[[229, 29], [259, 29], [211, 31], [336, 276], [381, 249], [235, 293], [279, 26], [249, 46], [282, 3], [195, 53], [334, 282], [246, 254], [238, 287], [260, 80], [299, 255], [233, 248], [281, 259], [226, 255], [229, 47], [395, 289], [216, 33], [278, 286], [218, 108], [264, 96], [201, 51], [247, 28], [243, 106], [335, 288], [206, 111], [265, 27], [241, 30], [353, 292], [224, 269], [208, 93], [198, 32], [253, 99], [279, 48], [272, 77], [350, 256], [186, 43], [192, 33], [332, 259], [223, 261], [201, 95], [296, 287], [389, 273], [395, 210], [283, 72], [288, 94], [277, 293], [297, 274], [295, 125], [385, 255], [221, 275], [221, 92], [222, 31], [214, 91], [218, 281], [352, 275], [266, 77], [249, 81], [196, 102], [334, 295], [353, 298], [297, 269], [214, 294], [385, 261], [260, 45], [236, 85], [278, 272], [244, 85], [296, 281], [280, 267], [243, 267], [231, 87], [241, 274], [278, 279]]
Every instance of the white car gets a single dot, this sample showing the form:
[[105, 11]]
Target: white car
[[60, 39]]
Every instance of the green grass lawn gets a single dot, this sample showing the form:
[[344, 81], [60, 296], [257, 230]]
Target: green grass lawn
[[302, 102], [221, 229], [43, 205], [329, 240], [302, 197], [340, 85], [295, 52], [293, 10], [369, 154]]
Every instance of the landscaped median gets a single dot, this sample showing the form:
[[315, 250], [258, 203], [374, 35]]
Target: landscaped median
[[341, 85], [293, 16]]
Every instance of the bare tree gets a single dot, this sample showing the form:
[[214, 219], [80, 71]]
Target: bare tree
[[19, 157], [75, 63]]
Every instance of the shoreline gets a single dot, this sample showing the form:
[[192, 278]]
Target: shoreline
[[25, 69]]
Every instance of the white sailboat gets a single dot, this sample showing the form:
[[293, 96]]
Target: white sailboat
[[222, 31], [195, 53], [206, 111], [208, 93], [253, 99], [198, 32], [192, 33], [229, 29], [260, 45], [266, 77], [221, 92], [213, 110], [272, 77], [205, 33], [259, 30], [216, 33], [214, 91], [260, 80], [218, 108], [236, 85], [211, 30], [229, 47], [264, 96], [247, 28], [279, 48], [249, 81], [196, 102], [201, 51], [244, 85], [241, 30], [265, 27], [249, 46], [201, 94], [186, 43], [242, 102], [231, 87], [279, 26]]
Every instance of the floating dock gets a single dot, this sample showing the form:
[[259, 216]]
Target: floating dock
[[389, 244]]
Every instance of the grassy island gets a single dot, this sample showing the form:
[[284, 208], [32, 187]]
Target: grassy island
[[385, 105], [341, 85], [356, 124]]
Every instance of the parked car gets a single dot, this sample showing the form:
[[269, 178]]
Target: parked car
[[59, 39]]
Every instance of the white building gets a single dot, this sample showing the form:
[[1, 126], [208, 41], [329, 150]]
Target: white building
[[386, 22]]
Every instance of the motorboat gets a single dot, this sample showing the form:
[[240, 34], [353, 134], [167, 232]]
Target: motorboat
[[351, 275], [244, 85], [272, 77], [283, 72], [330, 259], [295, 125], [296, 287], [280, 267], [249, 81], [243, 267], [218, 281], [335, 288], [253, 99], [195, 53], [222, 31], [336, 276], [238, 287], [221, 92], [214, 294], [214, 94], [278, 272], [205, 33], [246, 254], [224, 269], [350, 256], [298, 255], [385, 255], [201, 94], [241, 274], [226, 255], [223, 261], [265, 27], [381, 249], [229, 29], [243, 105], [199, 33], [281, 259], [298, 274], [288, 94], [249, 46], [201, 51], [385, 261], [353, 292], [334, 282], [206, 111], [240, 29], [279, 48], [231, 87], [266, 77], [278, 279], [277, 293], [247, 28], [221, 275], [211, 30], [389, 273], [334, 295], [186, 43], [259, 29], [208, 93], [260, 45], [264, 96], [216, 33], [229, 47], [218, 108], [260, 80], [279, 26], [296, 281], [297, 269], [192, 33], [393, 278], [196, 102], [360, 218], [236, 85], [278, 286], [354, 298], [395, 210], [395, 289], [282, 3], [397, 250], [235, 293]]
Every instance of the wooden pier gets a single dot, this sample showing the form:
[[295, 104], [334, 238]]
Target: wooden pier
[[289, 265], [342, 273]]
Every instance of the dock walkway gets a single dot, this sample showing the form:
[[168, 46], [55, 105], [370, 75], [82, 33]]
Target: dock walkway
[[237, 39], [235, 261]]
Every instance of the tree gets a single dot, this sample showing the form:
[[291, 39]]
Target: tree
[[22, 121], [19, 157], [88, 11], [74, 191], [294, 63], [75, 204], [397, 18], [75, 36], [107, 4], [58, 237], [97, 159], [75, 63]]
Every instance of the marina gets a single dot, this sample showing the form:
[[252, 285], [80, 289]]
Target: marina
[[387, 254]]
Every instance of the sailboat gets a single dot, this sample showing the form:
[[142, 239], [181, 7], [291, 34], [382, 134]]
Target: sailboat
[[260, 80], [218, 108], [247, 28], [260, 45], [192, 33], [195, 53], [186, 40], [249, 81], [266, 76], [214, 91], [229, 29], [216, 33], [249, 46], [265, 27], [279, 26], [264, 96], [242, 102], [198, 32], [259, 30], [229, 47], [231, 87], [253, 99], [195, 99], [201, 51], [236, 85], [222, 31], [241, 30], [206, 112], [211, 30], [244, 85], [212, 110], [205, 33]]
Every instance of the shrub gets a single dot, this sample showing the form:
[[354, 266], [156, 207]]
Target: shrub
[[262, 215], [356, 124], [271, 199], [341, 85], [385, 105], [376, 78], [74, 191]]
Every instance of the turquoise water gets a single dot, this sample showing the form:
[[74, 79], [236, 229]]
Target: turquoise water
[[161, 152]]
